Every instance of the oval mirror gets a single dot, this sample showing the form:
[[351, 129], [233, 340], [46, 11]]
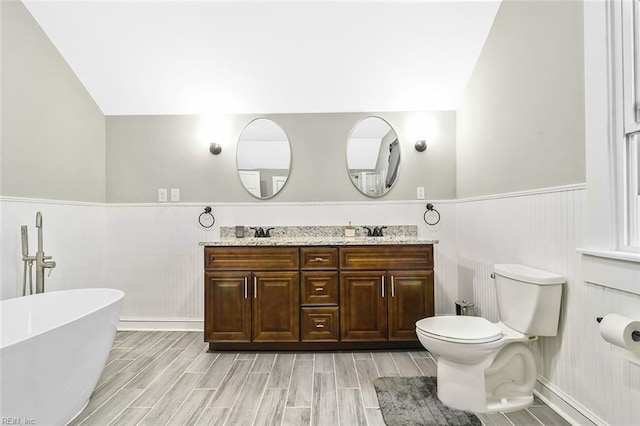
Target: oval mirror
[[263, 158], [373, 156]]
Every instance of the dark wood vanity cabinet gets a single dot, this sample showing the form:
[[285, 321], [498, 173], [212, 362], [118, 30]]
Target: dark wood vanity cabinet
[[384, 304], [287, 298], [251, 294]]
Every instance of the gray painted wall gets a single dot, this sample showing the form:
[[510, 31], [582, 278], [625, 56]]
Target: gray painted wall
[[145, 153], [53, 133], [521, 119]]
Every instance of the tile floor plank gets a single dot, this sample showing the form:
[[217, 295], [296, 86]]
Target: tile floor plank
[[186, 340], [548, 417], [213, 377], [170, 377], [427, 366], [192, 408], [386, 365], [149, 356], [168, 405], [374, 417], [112, 408], [367, 373], [301, 384], [350, 407], [103, 393], [296, 416], [406, 364], [346, 376], [263, 362], [161, 384], [522, 417], [227, 393], [324, 363], [271, 410], [143, 379], [281, 371], [324, 410], [494, 419], [248, 400], [130, 417], [213, 416], [202, 363]]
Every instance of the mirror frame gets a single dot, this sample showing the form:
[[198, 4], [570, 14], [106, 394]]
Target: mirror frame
[[290, 159], [347, 157]]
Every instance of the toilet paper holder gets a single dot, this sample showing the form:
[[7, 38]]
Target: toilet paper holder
[[635, 335]]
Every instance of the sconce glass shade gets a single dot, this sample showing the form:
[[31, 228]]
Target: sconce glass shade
[[421, 145], [215, 148]]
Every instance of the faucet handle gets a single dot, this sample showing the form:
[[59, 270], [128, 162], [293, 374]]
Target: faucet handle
[[266, 232], [369, 231]]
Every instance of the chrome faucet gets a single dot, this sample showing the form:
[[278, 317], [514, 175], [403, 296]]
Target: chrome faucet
[[41, 260]]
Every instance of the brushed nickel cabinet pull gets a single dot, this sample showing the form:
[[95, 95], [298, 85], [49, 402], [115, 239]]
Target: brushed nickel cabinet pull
[[383, 286], [393, 287], [319, 259], [319, 325], [246, 288], [255, 287]]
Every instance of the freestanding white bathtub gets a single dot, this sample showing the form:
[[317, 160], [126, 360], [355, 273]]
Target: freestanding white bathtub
[[53, 347]]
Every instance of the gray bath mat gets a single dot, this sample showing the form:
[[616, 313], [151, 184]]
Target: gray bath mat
[[413, 401]]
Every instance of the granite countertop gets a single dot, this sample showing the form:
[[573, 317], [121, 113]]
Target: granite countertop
[[320, 236], [319, 241]]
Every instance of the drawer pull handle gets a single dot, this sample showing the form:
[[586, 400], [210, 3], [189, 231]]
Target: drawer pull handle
[[319, 259], [246, 288], [319, 325], [319, 288], [255, 287]]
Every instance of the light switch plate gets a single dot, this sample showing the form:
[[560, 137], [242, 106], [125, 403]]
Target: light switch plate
[[162, 195], [175, 194], [420, 192]]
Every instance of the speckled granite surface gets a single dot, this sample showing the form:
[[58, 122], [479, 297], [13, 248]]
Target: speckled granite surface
[[320, 236]]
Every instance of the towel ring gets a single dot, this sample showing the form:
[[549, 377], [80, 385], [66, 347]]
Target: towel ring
[[431, 209], [207, 214]]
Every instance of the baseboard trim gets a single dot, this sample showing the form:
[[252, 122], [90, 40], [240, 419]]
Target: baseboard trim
[[564, 405], [133, 324]]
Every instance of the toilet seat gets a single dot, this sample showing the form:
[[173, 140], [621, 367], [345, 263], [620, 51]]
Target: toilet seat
[[460, 329]]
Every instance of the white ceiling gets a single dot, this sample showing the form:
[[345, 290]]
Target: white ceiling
[[202, 57]]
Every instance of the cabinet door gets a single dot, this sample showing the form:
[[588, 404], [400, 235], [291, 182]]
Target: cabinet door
[[363, 306], [276, 307], [410, 299], [227, 306]]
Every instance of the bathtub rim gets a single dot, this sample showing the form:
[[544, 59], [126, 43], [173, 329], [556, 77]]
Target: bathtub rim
[[118, 296]]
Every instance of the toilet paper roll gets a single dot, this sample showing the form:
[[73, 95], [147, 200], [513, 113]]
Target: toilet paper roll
[[618, 330]]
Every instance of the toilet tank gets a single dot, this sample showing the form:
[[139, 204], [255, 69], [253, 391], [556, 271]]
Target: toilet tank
[[529, 299]]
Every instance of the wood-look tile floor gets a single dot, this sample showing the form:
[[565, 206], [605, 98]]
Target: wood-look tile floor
[[169, 378]]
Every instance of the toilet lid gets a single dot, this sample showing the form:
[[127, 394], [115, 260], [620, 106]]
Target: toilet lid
[[460, 329]]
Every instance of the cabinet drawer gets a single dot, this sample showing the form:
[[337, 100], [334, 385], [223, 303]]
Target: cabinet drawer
[[251, 258], [319, 257], [320, 324], [387, 257], [319, 288]]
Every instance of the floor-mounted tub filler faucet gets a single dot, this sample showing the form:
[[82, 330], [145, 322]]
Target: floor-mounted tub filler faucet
[[41, 260]]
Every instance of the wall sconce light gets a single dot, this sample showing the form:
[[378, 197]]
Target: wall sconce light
[[215, 148], [421, 145]]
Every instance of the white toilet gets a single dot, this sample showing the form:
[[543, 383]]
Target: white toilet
[[487, 367]]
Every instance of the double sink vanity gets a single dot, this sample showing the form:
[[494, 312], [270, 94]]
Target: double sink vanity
[[309, 288]]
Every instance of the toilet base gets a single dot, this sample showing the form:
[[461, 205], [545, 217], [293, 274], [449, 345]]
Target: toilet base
[[502, 382]]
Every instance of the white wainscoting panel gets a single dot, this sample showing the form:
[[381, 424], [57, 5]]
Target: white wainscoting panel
[[153, 254], [73, 233], [544, 230]]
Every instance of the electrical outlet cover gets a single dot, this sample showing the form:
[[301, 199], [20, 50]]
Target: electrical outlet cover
[[175, 194], [162, 195]]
